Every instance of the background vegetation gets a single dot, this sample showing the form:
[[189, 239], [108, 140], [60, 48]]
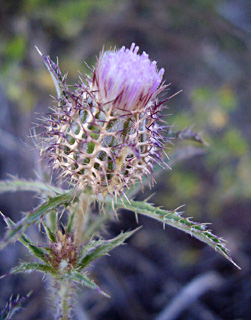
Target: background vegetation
[[204, 47]]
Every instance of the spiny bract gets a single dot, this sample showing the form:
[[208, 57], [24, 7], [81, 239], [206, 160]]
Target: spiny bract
[[104, 132]]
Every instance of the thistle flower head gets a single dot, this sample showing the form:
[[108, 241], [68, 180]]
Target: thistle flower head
[[126, 79], [104, 133]]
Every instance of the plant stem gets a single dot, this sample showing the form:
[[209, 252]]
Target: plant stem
[[80, 217], [64, 300]]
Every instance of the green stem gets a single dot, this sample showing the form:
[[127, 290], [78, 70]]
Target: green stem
[[64, 300], [80, 217]]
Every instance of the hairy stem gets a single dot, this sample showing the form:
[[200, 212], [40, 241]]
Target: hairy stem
[[64, 300], [80, 217]]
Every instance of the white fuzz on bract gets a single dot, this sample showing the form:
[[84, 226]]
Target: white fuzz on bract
[[104, 134]]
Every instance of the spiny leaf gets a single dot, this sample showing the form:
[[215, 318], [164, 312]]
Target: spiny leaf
[[31, 186], [34, 216], [53, 220], [90, 246], [28, 267], [174, 219], [38, 252], [48, 231], [26, 241], [70, 223], [54, 72], [102, 247], [83, 280]]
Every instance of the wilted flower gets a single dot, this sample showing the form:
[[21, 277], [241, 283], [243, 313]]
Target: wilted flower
[[104, 133]]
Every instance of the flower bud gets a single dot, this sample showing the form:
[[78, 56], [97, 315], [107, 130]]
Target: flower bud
[[104, 134]]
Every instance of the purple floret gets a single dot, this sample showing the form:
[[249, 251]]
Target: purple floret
[[127, 79]]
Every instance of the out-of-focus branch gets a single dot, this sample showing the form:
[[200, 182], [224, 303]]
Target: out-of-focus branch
[[190, 293]]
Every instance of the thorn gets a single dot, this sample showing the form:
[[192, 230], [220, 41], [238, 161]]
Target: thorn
[[164, 223], [183, 205], [39, 51], [146, 200], [175, 94], [104, 293], [2, 215]]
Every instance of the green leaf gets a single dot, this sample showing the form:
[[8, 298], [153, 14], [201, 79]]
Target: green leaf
[[34, 217], [31, 186], [38, 252], [70, 224], [98, 248], [83, 280], [28, 267], [174, 219], [26, 241], [48, 231]]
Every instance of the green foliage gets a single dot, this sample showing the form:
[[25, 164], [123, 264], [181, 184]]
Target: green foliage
[[204, 97], [26, 241], [221, 170], [28, 267], [190, 186], [34, 216], [15, 185], [14, 49], [174, 219], [218, 112], [68, 18], [49, 232], [65, 269], [98, 248], [82, 280]]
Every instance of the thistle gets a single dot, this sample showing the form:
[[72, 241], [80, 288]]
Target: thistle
[[103, 133]]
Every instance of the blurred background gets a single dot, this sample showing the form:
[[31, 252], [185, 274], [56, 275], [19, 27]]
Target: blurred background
[[204, 46]]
